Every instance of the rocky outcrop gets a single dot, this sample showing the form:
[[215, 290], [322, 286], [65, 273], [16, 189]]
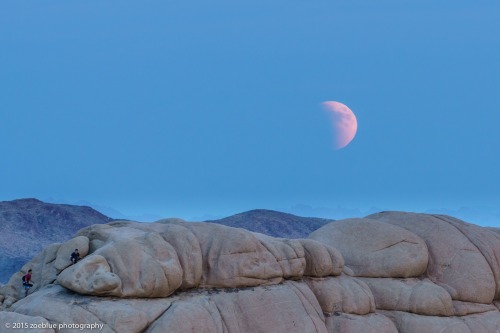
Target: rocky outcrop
[[59, 305], [92, 276], [291, 306], [389, 272], [16, 322], [373, 249], [63, 256], [427, 273], [410, 295], [28, 225], [349, 323], [413, 323], [342, 294], [458, 254]]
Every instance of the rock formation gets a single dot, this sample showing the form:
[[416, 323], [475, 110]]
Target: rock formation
[[388, 272], [28, 225]]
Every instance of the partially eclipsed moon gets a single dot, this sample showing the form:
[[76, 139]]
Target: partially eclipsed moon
[[344, 123]]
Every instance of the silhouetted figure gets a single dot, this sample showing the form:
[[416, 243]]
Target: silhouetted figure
[[75, 256]]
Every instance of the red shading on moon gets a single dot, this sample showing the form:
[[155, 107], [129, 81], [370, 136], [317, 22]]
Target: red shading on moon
[[343, 121]]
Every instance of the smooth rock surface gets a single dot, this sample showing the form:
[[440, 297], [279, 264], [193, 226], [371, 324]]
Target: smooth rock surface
[[59, 305], [373, 249], [485, 241], [24, 323], [412, 323], [321, 260], [467, 308], [289, 254], [342, 294], [410, 295], [289, 308], [350, 323], [188, 251], [234, 257], [146, 264], [91, 276], [63, 257], [455, 263], [188, 317], [488, 322]]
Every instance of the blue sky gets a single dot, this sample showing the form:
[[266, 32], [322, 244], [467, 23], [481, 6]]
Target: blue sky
[[192, 108]]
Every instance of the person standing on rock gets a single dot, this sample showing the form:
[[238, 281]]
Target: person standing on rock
[[27, 283], [75, 256]]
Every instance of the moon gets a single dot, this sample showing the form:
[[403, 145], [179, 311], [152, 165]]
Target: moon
[[343, 121]]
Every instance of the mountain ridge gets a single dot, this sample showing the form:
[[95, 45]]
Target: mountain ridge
[[27, 225], [273, 223]]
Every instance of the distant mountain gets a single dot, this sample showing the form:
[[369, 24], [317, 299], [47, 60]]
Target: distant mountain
[[28, 225], [108, 211], [274, 223]]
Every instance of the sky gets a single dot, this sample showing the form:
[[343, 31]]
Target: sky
[[209, 108]]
